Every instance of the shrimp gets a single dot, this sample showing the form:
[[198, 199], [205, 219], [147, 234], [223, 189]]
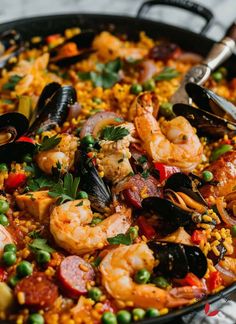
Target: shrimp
[[5, 238], [171, 142], [71, 229], [62, 154], [113, 158], [118, 268], [110, 47]]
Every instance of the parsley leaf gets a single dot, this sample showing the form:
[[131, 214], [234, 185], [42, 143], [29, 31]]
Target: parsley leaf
[[97, 261], [65, 190], [12, 82], [40, 244], [34, 234], [145, 174], [112, 133], [167, 73], [35, 184], [48, 143], [120, 239], [142, 159]]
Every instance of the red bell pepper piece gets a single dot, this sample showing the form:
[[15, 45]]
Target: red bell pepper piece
[[52, 38], [3, 274], [197, 236], [233, 84], [25, 139], [165, 171], [190, 280], [14, 181], [214, 281], [145, 228]]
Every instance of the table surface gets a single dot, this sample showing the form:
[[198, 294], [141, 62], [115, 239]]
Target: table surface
[[224, 12]]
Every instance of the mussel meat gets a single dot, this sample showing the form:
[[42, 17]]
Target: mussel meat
[[90, 181], [214, 117], [73, 50], [176, 260], [52, 108], [11, 45]]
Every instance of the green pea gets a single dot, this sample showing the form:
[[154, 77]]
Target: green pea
[[207, 175], [4, 220], [35, 319], [233, 230], [142, 276], [217, 76], [43, 257], [4, 206], [82, 195], [109, 318], [166, 110], [95, 293], [9, 258], [136, 88], [24, 269], [133, 231], [27, 158], [123, 317], [219, 151], [3, 167], [10, 248], [138, 314], [87, 140], [97, 100], [13, 280], [161, 282], [149, 85], [152, 312]]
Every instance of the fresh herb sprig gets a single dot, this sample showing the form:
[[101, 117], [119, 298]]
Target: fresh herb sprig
[[40, 244], [65, 190], [167, 73], [12, 82], [48, 143], [112, 133], [125, 239]]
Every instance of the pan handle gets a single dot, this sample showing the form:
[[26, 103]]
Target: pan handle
[[183, 4]]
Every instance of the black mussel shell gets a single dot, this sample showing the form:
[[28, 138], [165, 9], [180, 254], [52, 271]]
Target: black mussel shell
[[216, 258], [16, 121], [176, 260], [172, 259], [90, 181], [207, 100], [181, 182], [15, 151], [69, 60], [47, 93], [55, 111], [207, 124], [172, 215], [11, 45]]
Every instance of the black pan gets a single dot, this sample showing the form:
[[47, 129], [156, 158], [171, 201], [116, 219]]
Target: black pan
[[188, 40]]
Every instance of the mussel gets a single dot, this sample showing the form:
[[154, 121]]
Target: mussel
[[176, 260], [52, 108], [11, 45], [90, 181], [12, 127], [73, 50], [214, 117]]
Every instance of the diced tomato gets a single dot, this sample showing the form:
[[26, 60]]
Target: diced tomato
[[197, 236], [25, 139], [165, 171], [190, 280], [233, 84], [145, 228], [14, 181], [52, 38], [3, 274], [214, 281]]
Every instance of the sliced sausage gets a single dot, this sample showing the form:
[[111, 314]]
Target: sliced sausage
[[165, 51], [224, 174], [140, 188], [73, 274], [39, 291]]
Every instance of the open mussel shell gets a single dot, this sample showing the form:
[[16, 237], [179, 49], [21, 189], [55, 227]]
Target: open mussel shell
[[15, 151], [46, 94], [11, 45], [12, 126], [90, 181], [176, 260], [55, 111], [182, 182], [70, 60], [207, 100], [207, 124]]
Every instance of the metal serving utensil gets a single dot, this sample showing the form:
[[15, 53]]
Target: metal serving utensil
[[199, 74]]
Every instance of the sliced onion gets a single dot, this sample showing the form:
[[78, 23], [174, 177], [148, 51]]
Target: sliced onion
[[190, 57], [98, 121], [220, 204], [74, 111], [227, 275], [147, 70]]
